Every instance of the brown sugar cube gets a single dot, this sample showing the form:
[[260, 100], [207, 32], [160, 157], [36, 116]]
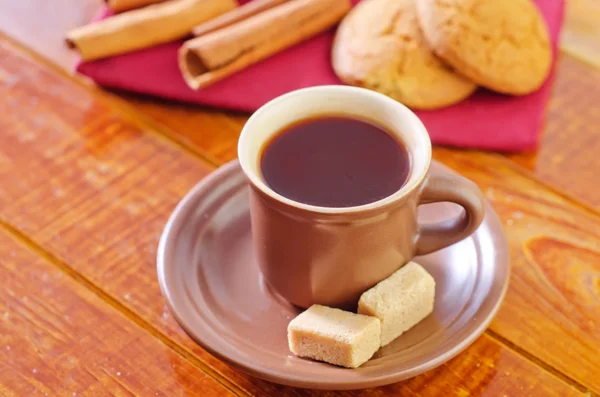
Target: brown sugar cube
[[400, 301], [334, 336]]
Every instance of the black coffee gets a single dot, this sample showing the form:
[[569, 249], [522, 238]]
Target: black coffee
[[334, 161]]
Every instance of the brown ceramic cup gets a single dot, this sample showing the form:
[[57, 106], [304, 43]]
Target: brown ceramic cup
[[330, 256]]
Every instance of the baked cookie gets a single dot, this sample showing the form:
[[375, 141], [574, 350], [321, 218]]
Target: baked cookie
[[500, 44], [380, 46]]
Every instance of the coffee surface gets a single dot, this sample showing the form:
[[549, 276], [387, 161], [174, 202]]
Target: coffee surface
[[334, 161]]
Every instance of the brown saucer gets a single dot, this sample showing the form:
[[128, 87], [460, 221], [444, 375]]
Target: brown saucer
[[208, 275]]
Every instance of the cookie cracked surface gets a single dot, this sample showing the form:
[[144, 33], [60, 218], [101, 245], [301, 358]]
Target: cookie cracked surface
[[380, 46], [501, 45]]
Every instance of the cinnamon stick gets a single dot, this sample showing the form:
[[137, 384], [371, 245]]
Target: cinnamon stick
[[233, 16], [145, 27], [214, 56], [126, 5]]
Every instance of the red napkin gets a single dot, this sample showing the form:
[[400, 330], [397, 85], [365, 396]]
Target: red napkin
[[486, 120]]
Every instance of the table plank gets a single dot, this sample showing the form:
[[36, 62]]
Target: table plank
[[553, 303], [58, 338], [567, 157], [194, 126], [95, 189], [88, 184]]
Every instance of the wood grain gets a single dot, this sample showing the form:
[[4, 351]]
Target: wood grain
[[568, 154], [59, 339], [95, 190], [210, 132], [482, 370], [551, 319]]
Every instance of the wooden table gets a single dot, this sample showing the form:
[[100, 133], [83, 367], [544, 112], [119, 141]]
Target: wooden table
[[88, 179]]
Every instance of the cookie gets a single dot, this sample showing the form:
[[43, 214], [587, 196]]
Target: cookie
[[502, 45], [380, 46]]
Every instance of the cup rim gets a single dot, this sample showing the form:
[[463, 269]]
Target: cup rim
[[413, 182]]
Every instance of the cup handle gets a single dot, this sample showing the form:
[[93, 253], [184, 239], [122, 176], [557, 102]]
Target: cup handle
[[442, 185]]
